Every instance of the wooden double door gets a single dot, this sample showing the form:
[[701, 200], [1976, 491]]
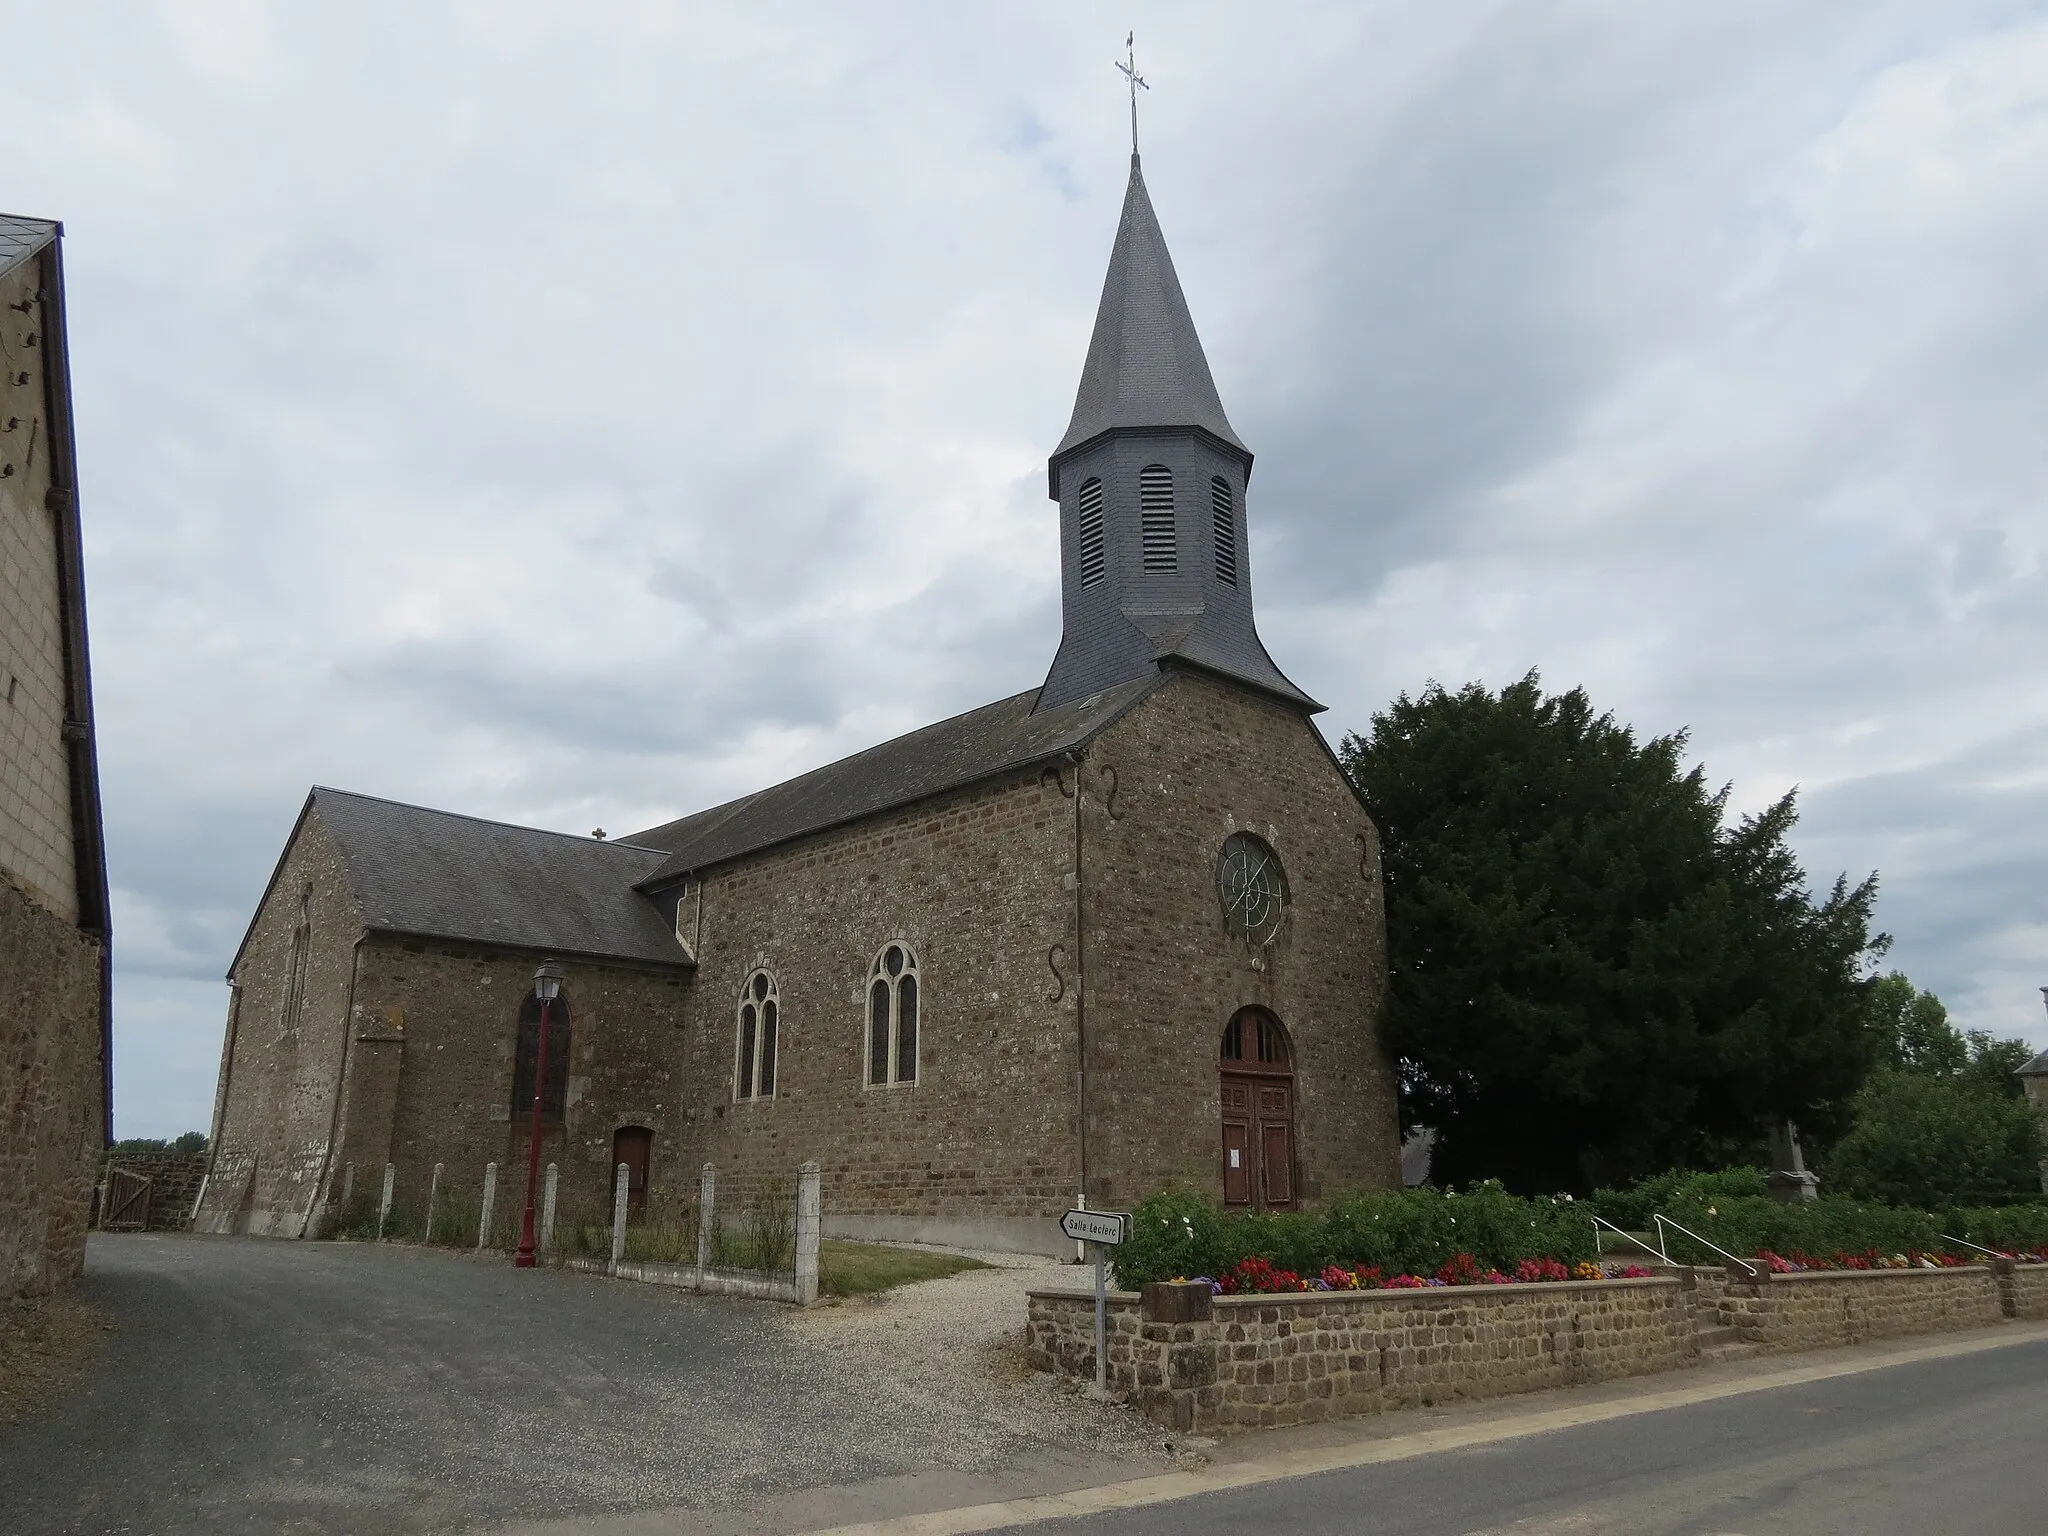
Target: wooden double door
[[1258, 1140]]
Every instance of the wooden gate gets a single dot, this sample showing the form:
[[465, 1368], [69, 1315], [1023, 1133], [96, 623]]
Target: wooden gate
[[127, 1202]]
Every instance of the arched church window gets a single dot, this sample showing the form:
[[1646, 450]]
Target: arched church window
[[753, 1075], [1093, 559], [1155, 517], [555, 1092], [893, 1002], [1224, 507]]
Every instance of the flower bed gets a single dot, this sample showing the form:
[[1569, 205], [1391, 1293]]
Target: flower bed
[[1386, 1233], [1257, 1276]]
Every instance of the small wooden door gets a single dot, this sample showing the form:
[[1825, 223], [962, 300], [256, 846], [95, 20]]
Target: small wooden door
[[633, 1145]]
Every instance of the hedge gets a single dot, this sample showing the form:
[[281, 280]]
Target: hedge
[[1408, 1231], [1418, 1231]]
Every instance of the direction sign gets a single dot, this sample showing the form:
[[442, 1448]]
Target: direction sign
[[1095, 1226]]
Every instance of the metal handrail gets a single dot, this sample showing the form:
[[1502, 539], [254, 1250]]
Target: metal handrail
[[1996, 1253], [1601, 1221], [1665, 1221]]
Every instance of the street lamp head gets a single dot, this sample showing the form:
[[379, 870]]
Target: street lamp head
[[547, 982]]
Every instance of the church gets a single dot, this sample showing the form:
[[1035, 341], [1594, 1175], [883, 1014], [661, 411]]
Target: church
[[1117, 933]]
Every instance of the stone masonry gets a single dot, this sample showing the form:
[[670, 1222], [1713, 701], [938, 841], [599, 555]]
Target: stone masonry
[[51, 1135], [1198, 761], [1192, 1362]]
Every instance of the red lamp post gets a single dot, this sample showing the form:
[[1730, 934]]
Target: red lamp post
[[547, 986]]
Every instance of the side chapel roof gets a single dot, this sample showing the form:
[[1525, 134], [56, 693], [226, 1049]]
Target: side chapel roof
[[983, 742], [438, 875]]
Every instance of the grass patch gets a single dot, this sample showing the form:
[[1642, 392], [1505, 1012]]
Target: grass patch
[[860, 1269]]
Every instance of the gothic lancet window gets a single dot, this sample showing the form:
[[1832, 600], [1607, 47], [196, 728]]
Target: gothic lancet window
[[892, 1018], [1224, 506], [1155, 517], [1093, 559], [555, 1092], [759, 1020]]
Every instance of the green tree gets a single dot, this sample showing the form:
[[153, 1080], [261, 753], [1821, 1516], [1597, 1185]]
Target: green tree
[[1912, 1028], [1932, 1140], [1593, 975], [1994, 1063]]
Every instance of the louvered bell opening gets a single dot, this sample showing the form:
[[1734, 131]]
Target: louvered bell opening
[[1225, 508], [1094, 561], [1155, 517]]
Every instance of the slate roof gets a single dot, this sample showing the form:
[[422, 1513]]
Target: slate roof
[[984, 742], [439, 875], [2038, 1067], [1145, 366], [21, 238]]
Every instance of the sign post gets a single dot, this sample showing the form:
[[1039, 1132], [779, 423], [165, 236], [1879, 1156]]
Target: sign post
[[1101, 1231]]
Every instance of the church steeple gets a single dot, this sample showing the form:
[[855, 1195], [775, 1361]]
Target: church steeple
[[1151, 480]]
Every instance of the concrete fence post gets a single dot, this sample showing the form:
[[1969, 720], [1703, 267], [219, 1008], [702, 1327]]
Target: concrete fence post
[[348, 1183], [433, 1199], [384, 1200], [483, 1226], [547, 1210], [809, 1183], [707, 1213], [621, 1182]]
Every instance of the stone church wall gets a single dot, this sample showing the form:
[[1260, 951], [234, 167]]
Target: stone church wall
[[981, 1148], [281, 1061], [436, 1026], [51, 1135], [1165, 786]]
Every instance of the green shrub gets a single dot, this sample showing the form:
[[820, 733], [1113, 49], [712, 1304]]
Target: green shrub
[[2010, 1228], [1746, 1224], [1412, 1231], [1630, 1209]]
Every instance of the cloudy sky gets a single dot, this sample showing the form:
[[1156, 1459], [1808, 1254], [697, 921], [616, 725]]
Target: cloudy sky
[[582, 413]]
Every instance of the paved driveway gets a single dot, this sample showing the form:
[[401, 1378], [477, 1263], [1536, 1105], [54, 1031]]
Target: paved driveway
[[258, 1385]]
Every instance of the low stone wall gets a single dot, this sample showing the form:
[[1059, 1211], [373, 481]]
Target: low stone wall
[[1821, 1309], [1245, 1361], [1191, 1361]]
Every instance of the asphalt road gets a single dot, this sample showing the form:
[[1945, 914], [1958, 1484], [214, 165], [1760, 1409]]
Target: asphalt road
[[1951, 1445], [261, 1385]]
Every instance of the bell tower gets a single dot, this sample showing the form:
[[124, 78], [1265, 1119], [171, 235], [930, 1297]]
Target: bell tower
[[1151, 480]]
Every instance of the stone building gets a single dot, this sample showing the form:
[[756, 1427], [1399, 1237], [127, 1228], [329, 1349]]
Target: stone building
[[54, 932], [1117, 932]]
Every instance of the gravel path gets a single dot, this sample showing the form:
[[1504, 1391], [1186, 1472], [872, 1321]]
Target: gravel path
[[951, 1352]]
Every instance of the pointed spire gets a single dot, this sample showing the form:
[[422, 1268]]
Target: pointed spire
[[1145, 364]]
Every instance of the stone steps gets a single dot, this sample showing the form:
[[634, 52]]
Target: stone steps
[[1720, 1343]]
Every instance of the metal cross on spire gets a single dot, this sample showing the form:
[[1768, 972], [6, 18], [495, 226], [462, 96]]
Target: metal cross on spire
[[1128, 68]]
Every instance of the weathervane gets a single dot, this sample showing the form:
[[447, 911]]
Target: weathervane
[[1129, 70]]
